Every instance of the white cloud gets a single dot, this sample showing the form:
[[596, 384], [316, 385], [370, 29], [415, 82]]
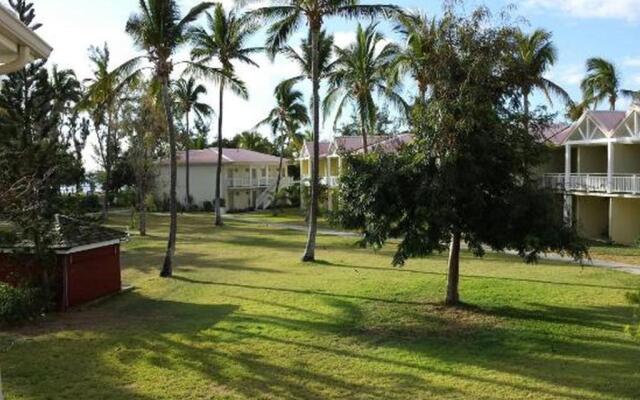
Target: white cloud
[[633, 62], [344, 38], [628, 10], [567, 75]]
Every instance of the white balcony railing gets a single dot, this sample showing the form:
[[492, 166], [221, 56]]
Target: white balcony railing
[[593, 183]]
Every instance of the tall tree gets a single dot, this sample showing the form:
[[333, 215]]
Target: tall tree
[[535, 54], [601, 83], [303, 58], [362, 72], [187, 95], [103, 100], [223, 40], [414, 58], [253, 141], [285, 120], [286, 17], [470, 173], [159, 29]]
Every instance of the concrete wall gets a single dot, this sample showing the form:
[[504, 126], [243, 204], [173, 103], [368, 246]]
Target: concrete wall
[[592, 216], [625, 220], [626, 159], [592, 159]]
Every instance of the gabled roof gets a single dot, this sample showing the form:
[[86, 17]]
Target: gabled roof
[[353, 143], [609, 120], [229, 156], [71, 232], [308, 149], [391, 144]]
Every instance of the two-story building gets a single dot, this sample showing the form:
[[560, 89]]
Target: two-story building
[[598, 171], [248, 178], [332, 153]]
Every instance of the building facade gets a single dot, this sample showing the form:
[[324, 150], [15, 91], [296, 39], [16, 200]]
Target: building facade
[[596, 167], [248, 178]]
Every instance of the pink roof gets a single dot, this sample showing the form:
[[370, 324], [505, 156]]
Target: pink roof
[[556, 134], [608, 119], [229, 156], [391, 144], [324, 148]]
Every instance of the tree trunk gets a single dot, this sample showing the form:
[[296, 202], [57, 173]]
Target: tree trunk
[[310, 250], [188, 144], [526, 105], [453, 298], [365, 142], [143, 209], [612, 103], [107, 167], [167, 268], [275, 194], [219, 165]]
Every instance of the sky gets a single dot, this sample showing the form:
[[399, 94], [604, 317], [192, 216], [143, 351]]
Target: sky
[[581, 29]]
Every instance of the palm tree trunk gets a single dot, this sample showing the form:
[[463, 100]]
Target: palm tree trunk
[[219, 165], [453, 298], [310, 250], [526, 105], [143, 207], [365, 142], [612, 102], [275, 194], [188, 144], [107, 167], [167, 267]]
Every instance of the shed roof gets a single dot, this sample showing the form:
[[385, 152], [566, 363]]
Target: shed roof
[[69, 233]]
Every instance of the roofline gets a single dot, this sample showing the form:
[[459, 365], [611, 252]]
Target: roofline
[[40, 48]]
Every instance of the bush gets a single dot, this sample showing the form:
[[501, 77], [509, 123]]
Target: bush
[[207, 206], [21, 304]]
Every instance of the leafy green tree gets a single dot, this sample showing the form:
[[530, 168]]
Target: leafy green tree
[[285, 120], [470, 173], [160, 29], [362, 72], [286, 17], [535, 54], [187, 95], [224, 40], [601, 83]]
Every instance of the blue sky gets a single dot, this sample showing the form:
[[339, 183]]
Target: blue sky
[[581, 28]]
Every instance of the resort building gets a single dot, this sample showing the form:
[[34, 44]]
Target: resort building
[[19, 45], [248, 178], [331, 155], [597, 169]]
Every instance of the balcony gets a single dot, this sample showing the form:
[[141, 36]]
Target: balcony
[[594, 183]]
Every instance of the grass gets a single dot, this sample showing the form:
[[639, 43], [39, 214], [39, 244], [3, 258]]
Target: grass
[[616, 253], [286, 216], [244, 319]]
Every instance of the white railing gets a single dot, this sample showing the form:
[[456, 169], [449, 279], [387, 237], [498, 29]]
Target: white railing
[[330, 181], [267, 197], [593, 183], [239, 182], [245, 182]]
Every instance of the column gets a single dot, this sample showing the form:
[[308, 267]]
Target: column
[[568, 209], [567, 166], [250, 176], [328, 171], [610, 165]]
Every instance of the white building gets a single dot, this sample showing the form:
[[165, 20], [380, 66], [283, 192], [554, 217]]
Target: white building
[[598, 171], [248, 178]]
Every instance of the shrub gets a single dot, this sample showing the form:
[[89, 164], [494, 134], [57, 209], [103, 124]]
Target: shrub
[[207, 206], [21, 303]]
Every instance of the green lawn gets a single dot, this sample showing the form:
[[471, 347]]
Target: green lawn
[[244, 319]]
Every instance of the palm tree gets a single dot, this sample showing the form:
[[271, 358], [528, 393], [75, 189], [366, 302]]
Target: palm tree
[[224, 40], [66, 88], [159, 30], [415, 58], [187, 94], [303, 58], [287, 16], [361, 72], [102, 100], [601, 83], [534, 55], [285, 120]]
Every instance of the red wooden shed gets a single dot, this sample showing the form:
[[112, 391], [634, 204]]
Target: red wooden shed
[[87, 262]]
